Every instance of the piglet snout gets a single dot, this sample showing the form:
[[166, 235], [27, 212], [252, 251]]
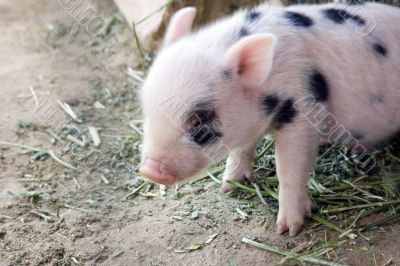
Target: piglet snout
[[157, 172]]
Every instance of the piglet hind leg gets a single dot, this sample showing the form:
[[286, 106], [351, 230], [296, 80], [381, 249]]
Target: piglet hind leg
[[295, 148], [238, 167]]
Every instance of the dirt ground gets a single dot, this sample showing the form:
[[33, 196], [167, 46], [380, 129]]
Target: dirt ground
[[54, 215]]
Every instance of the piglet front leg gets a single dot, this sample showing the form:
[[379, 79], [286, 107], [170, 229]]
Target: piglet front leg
[[295, 148], [238, 167]]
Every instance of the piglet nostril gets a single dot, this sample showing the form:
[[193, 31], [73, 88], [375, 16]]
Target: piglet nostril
[[156, 172]]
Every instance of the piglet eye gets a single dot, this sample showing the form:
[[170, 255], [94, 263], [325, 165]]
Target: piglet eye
[[203, 135], [201, 127], [201, 117]]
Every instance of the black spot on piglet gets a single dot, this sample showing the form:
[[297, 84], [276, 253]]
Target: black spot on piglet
[[380, 49], [339, 16], [243, 32], [299, 20], [318, 86], [270, 103], [355, 2], [227, 75], [253, 15], [357, 135], [285, 114], [376, 98]]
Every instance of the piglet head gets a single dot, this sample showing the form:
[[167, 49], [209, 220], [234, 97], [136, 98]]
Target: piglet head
[[200, 100]]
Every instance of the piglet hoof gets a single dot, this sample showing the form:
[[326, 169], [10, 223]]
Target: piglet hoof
[[225, 188], [293, 229], [291, 217], [282, 228]]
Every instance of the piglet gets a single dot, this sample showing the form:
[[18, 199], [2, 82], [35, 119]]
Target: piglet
[[308, 74]]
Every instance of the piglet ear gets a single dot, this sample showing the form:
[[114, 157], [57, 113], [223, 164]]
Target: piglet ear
[[251, 58], [180, 25]]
